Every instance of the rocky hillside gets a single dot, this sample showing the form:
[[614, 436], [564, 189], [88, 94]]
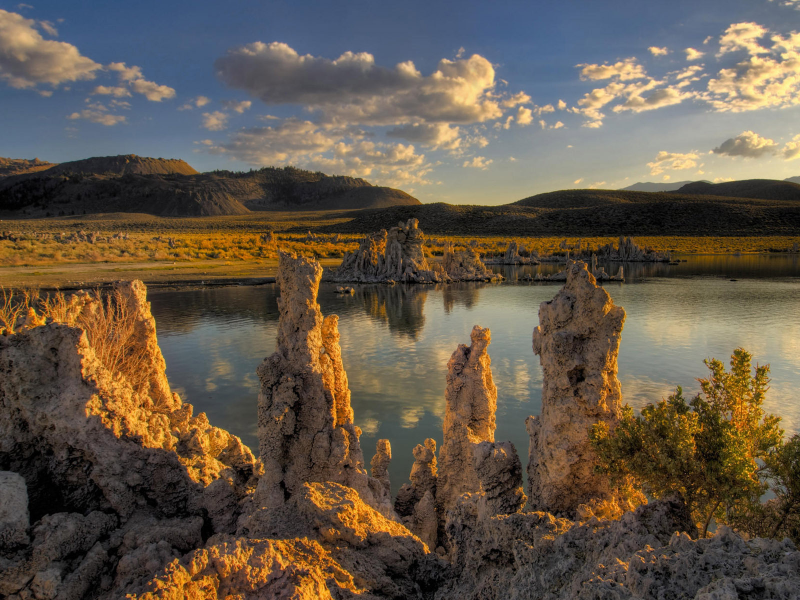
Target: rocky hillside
[[648, 186], [18, 166], [171, 187]]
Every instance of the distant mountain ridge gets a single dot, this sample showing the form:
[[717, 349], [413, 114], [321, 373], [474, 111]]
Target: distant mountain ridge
[[171, 187], [647, 186], [765, 189], [20, 166]]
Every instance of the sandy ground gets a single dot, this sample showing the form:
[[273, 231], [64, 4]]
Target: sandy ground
[[155, 273]]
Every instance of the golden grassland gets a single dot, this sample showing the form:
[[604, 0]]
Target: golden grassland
[[98, 248]]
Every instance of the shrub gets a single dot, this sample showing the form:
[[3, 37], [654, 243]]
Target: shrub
[[714, 450]]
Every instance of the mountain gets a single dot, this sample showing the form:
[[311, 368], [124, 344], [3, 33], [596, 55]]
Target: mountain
[[793, 179], [656, 187], [19, 166], [592, 213], [765, 189], [171, 187]]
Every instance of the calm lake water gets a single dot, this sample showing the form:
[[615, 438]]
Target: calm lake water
[[396, 342]]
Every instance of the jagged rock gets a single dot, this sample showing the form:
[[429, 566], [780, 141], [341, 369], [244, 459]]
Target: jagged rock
[[627, 250], [512, 257], [499, 473], [471, 402], [380, 462], [14, 517], [396, 255], [465, 265], [577, 341], [305, 423], [415, 502], [241, 568]]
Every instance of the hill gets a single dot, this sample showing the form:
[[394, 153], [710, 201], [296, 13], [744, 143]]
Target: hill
[[171, 187], [656, 187], [793, 179], [593, 213], [19, 166], [766, 189]]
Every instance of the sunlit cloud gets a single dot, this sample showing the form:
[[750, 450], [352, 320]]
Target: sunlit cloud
[[28, 60], [791, 150], [747, 144], [132, 76], [692, 54], [215, 121], [98, 113], [656, 51], [674, 161], [238, 107], [478, 162], [623, 70], [197, 102]]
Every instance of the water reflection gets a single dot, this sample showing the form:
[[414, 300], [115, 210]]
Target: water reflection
[[396, 341]]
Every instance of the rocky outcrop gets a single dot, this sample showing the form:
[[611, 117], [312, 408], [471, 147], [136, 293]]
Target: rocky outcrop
[[305, 423], [577, 342], [629, 251], [14, 517], [469, 419], [599, 273], [465, 265], [415, 503], [116, 475], [393, 256]]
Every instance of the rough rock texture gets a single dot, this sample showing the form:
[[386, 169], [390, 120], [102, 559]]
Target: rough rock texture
[[469, 419], [14, 517], [396, 255], [465, 265], [415, 502], [107, 467], [577, 341], [499, 472], [305, 423], [627, 250], [644, 555]]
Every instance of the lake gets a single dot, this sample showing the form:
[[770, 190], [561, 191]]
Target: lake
[[396, 341]]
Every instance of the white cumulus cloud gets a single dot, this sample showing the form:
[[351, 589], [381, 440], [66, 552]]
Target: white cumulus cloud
[[28, 60], [197, 102], [747, 144], [97, 113], [478, 162], [623, 70], [692, 54], [133, 77], [238, 107], [215, 121], [791, 150], [673, 161], [656, 51]]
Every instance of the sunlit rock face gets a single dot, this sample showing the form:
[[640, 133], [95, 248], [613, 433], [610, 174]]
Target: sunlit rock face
[[393, 256], [415, 502], [305, 422], [465, 265], [119, 478], [629, 251], [577, 342]]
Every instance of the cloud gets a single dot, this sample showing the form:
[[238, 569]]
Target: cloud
[[436, 135], [478, 162], [353, 89], [596, 185], [116, 91], [673, 161], [132, 76], [98, 113], [623, 70], [747, 144], [49, 28], [743, 36], [557, 125], [692, 54], [561, 105], [660, 98], [238, 107], [525, 116], [656, 51], [291, 141], [791, 150], [722, 179], [28, 60], [215, 121], [23, 6], [197, 102], [577, 181]]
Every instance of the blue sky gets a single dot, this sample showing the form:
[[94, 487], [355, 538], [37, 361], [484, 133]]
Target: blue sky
[[481, 103]]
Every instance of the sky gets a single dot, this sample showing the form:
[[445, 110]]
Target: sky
[[459, 102]]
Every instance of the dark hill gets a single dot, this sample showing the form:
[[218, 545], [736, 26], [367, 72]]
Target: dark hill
[[766, 189], [169, 187], [593, 213], [127, 164]]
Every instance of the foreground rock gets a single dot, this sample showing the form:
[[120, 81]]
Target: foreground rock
[[305, 423], [110, 489], [577, 341]]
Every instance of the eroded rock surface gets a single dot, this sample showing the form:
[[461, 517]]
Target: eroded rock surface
[[416, 502], [465, 265], [305, 423], [629, 251], [577, 341], [393, 256]]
